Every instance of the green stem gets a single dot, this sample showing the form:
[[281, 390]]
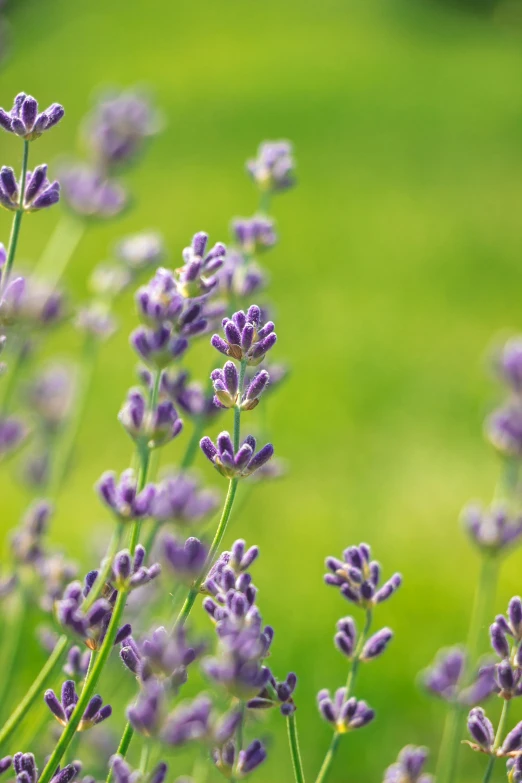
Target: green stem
[[498, 740], [293, 740], [35, 691], [264, 202], [104, 573], [123, 747], [220, 532], [144, 758], [482, 605], [192, 447], [12, 633], [17, 220], [68, 440], [13, 374], [350, 685], [237, 409], [59, 250]]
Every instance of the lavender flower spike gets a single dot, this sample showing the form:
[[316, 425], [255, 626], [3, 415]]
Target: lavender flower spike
[[90, 195], [63, 708], [494, 529], [254, 234], [122, 496], [129, 573], [409, 767], [24, 119], [358, 577], [481, 730], [122, 773], [146, 715], [250, 758], [231, 464], [141, 251], [344, 714], [39, 192], [443, 677], [180, 500], [226, 388], [246, 338], [184, 558], [155, 427], [197, 276], [273, 169]]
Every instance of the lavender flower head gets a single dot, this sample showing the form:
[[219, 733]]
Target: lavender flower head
[[152, 428], [273, 169], [63, 708], [39, 193], [122, 772], [162, 656], [184, 558], [409, 767], [494, 529], [13, 432], [239, 277], [27, 772], [359, 577], [118, 127], [51, 394], [122, 495], [197, 276], [30, 304], [246, 339], [504, 430], [180, 500], [254, 234], [444, 679], [89, 194], [232, 464], [344, 714], [510, 364], [346, 639], [25, 121], [226, 388]]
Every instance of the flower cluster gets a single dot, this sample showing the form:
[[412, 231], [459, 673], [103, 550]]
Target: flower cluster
[[63, 707], [358, 577]]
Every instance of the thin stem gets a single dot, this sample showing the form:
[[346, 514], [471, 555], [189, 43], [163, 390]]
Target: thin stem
[[67, 443], [35, 691], [498, 740], [264, 202], [350, 685], [17, 220], [144, 758], [192, 447], [59, 250], [13, 374], [482, 604], [123, 747], [295, 753], [104, 573], [220, 532], [12, 633]]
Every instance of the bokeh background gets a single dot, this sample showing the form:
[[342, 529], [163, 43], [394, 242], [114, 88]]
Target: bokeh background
[[399, 262]]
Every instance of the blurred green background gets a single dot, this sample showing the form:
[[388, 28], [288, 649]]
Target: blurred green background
[[399, 261]]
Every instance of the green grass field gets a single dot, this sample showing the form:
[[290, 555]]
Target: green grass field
[[399, 262]]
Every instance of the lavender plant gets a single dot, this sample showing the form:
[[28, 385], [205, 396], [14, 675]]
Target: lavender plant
[[161, 522]]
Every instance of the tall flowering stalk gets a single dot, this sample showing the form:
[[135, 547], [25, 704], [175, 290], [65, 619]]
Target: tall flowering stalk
[[495, 532]]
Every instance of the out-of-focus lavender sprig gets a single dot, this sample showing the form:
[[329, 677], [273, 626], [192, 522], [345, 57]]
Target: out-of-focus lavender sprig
[[409, 767]]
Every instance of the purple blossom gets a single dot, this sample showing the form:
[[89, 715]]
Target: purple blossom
[[191, 397], [147, 714], [91, 195], [278, 693], [122, 495], [273, 169], [30, 303], [122, 773], [510, 364], [233, 464], [161, 655], [27, 772], [77, 663], [118, 127], [180, 500], [504, 430], [40, 193], [13, 432], [409, 767], [493, 529], [155, 427], [63, 708], [197, 276], [239, 277], [51, 394], [481, 730], [254, 234], [93, 319], [158, 347], [129, 571], [226, 388], [345, 714], [358, 577], [184, 558], [24, 119], [444, 678], [346, 638], [27, 539], [246, 339]]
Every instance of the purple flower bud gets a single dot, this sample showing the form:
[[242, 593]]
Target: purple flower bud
[[481, 729], [376, 644], [273, 169], [498, 640], [513, 740], [24, 120], [239, 465], [251, 758]]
